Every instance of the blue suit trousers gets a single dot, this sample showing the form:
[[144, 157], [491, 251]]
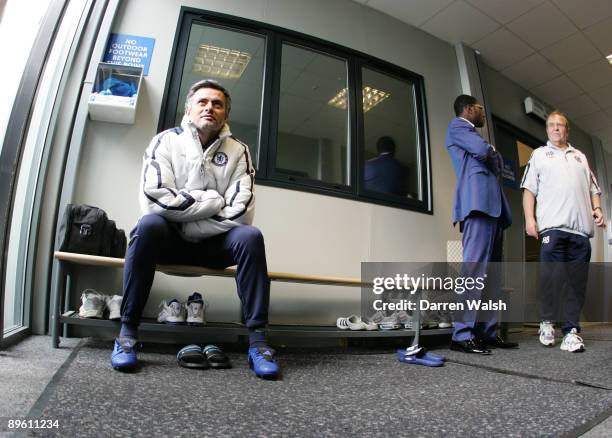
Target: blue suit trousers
[[482, 243]]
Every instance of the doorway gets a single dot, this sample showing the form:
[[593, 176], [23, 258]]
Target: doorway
[[516, 147]]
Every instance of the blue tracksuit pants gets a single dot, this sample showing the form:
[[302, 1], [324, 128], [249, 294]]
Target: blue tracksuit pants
[[564, 260], [155, 240]]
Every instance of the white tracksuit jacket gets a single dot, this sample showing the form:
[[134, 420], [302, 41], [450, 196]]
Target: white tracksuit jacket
[[206, 192]]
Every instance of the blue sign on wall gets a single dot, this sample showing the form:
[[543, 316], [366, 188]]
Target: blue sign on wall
[[129, 50], [510, 174]]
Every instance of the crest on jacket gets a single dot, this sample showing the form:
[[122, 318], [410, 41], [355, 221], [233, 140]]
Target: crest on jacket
[[220, 159]]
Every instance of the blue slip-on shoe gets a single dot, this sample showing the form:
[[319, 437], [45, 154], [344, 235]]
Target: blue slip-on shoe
[[433, 356], [418, 356], [124, 354], [261, 361], [422, 352]]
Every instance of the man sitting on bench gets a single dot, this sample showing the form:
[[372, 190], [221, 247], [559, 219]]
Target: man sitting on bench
[[198, 203]]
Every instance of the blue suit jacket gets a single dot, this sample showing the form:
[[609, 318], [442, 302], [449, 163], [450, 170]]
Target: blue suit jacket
[[477, 166], [385, 174]]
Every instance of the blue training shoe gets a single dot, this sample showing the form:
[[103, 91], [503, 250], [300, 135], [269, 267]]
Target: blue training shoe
[[124, 354], [261, 361]]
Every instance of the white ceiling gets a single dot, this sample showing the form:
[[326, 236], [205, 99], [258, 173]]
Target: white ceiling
[[554, 48]]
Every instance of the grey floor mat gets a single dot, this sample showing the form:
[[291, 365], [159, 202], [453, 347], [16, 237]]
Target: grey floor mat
[[590, 367], [320, 394], [25, 370]]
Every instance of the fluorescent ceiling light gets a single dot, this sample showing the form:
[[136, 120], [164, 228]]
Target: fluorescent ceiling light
[[371, 98], [339, 100], [220, 62], [609, 58]]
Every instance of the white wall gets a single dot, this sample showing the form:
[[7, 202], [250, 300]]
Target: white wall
[[305, 233]]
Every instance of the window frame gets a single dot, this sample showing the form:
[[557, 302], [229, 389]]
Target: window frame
[[275, 37], [293, 180], [403, 75]]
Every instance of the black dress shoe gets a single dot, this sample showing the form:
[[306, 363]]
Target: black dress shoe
[[469, 346], [498, 342]]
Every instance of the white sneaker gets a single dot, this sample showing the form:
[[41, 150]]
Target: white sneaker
[[372, 321], [429, 319], [370, 325], [92, 304], [547, 334], [353, 322], [390, 322], [404, 319], [195, 309], [445, 319], [113, 303], [572, 342], [172, 312], [377, 317]]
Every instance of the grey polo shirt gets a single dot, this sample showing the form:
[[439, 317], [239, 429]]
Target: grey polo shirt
[[563, 184]]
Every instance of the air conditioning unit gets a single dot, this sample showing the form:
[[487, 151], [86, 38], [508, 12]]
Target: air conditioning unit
[[536, 108]]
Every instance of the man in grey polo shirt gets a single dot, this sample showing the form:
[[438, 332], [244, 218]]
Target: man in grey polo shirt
[[561, 190]]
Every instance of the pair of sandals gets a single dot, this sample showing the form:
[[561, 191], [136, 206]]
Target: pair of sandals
[[355, 322], [419, 356], [194, 356]]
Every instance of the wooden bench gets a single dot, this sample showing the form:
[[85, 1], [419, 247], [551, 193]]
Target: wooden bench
[[68, 261]]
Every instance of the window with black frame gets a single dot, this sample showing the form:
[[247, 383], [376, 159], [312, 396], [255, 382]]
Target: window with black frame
[[391, 137], [312, 137], [317, 117]]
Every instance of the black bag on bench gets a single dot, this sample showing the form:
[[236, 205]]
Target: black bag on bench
[[88, 230]]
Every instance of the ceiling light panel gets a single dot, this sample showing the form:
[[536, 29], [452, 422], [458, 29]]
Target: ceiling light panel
[[371, 98], [219, 62]]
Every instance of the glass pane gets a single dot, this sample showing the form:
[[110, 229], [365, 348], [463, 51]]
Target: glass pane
[[235, 60], [313, 116], [391, 148], [29, 183]]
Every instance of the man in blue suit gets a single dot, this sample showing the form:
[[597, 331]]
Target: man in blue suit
[[483, 212], [385, 173]]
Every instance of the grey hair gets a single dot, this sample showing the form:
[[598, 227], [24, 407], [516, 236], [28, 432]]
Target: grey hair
[[558, 113], [208, 83]]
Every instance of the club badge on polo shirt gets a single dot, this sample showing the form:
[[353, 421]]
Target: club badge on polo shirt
[[220, 159], [550, 154], [577, 158]]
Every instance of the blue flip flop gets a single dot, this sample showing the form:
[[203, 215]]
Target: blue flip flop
[[433, 356], [422, 351], [418, 356]]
